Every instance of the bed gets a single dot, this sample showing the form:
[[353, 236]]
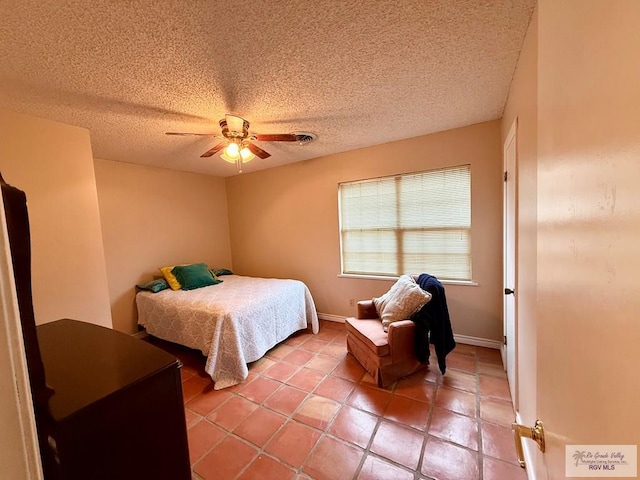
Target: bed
[[233, 323]]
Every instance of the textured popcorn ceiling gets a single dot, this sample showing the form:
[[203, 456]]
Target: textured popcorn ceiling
[[356, 73]]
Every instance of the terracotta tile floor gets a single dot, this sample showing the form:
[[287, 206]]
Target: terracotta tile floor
[[309, 411]]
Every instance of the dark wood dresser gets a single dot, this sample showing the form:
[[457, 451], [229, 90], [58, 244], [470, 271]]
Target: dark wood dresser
[[117, 410]]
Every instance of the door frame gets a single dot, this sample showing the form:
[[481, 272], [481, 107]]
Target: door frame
[[510, 247], [17, 415]]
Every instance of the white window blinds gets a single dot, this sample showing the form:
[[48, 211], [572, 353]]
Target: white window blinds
[[413, 223]]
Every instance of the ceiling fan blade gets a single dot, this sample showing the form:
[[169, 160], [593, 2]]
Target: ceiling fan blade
[[186, 134], [276, 137], [213, 150], [257, 151]]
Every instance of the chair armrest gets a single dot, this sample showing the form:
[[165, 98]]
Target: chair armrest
[[366, 309], [401, 337]]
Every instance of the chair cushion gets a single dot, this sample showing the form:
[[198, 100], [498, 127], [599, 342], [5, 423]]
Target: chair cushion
[[370, 333]]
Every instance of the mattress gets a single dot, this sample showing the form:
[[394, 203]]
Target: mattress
[[233, 323]]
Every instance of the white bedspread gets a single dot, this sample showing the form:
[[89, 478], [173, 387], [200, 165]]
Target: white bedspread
[[232, 323]]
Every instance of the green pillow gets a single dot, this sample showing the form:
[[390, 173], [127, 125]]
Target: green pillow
[[194, 276], [222, 271], [154, 286]]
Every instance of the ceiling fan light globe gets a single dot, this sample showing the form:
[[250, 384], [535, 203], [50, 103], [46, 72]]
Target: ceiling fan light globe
[[232, 150], [246, 155], [227, 158]]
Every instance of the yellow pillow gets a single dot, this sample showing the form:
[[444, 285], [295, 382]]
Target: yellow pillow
[[170, 278]]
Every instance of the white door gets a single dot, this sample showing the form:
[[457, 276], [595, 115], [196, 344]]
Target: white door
[[588, 295], [509, 263]]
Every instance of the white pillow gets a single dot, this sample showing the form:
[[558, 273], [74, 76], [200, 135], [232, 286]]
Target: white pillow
[[402, 300]]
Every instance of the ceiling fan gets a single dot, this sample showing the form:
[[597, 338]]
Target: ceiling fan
[[237, 142]]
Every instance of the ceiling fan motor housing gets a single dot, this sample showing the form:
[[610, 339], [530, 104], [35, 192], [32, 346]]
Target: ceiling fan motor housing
[[239, 127]]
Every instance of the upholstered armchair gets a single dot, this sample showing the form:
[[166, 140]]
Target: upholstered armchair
[[387, 356]]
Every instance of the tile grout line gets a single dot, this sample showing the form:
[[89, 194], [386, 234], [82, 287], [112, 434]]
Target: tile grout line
[[367, 450], [341, 404], [344, 403], [423, 449], [326, 434], [288, 418], [323, 433], [261, 450], [229, 433], [478, 422]]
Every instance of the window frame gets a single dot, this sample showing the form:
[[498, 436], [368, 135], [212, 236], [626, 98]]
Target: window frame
[[400, 231]]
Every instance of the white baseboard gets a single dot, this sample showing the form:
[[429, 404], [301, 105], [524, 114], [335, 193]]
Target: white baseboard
[[478, 342], [330, 318]]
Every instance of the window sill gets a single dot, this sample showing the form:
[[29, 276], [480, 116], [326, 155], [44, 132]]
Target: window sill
[[468, 283]]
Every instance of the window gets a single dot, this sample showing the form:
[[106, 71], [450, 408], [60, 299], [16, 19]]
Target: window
[[413, 223]]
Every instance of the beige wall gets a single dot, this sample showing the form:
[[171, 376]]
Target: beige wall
[[53, 164], [589, 224], [284, 221], [152, 217], [522, 104]]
